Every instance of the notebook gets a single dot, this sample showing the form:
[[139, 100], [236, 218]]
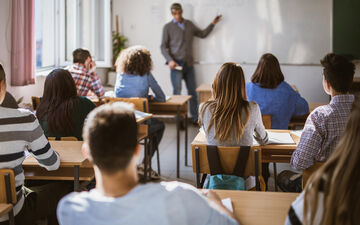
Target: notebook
[[280, 138]]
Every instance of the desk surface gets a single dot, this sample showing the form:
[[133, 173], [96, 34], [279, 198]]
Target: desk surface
[[253, 207], [204, 87], [200, 139], [69, 151], [175, 100], [5, 209]]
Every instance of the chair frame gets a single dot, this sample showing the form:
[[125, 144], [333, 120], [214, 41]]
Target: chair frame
[[9, 179], [256, 169]]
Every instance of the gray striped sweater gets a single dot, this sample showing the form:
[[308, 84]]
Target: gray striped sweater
[[20, 131]]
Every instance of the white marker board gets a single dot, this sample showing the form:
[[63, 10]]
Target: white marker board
[[296, 31]]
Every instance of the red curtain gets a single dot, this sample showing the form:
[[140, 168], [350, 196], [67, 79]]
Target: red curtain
[[22, 43]]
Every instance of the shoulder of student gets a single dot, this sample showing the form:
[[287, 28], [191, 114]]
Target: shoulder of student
[[85, 101]]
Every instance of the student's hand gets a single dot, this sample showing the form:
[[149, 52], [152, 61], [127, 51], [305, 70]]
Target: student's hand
[[172, 64], [216, 19], [92, 66], [151, 98], [212, 196]]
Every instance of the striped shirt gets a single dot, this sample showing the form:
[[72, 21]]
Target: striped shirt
[[20, 131], [86, 81], [322, 132]]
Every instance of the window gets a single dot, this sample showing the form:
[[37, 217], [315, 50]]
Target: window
[[61, 26], [44, 33]]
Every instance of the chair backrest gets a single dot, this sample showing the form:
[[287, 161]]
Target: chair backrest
[[7, 186], [63, 139], [266, 121], [228, 157], [35, 102], [140, 104], [309, 171]]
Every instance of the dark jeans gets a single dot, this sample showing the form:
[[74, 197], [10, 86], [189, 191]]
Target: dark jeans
[[41, 202], [188, 74], [156, 132]]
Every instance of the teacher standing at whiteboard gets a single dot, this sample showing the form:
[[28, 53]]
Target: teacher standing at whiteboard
[[176, 46]]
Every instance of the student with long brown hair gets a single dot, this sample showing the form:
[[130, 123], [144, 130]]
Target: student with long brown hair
[[332, 193], [229, 119], [61, 112]]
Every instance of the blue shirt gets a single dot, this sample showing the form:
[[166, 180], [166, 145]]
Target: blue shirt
[[128, 86], [282, 103], [181, 25], [165, 203]]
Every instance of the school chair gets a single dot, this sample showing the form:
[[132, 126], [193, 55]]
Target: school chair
[[7, 194], [140, 104], [35, 102], [228, 160], [266, 119], [62, 139], [306, 174]]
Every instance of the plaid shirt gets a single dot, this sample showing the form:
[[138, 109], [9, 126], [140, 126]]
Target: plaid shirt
[[86, 81], [322, 131]]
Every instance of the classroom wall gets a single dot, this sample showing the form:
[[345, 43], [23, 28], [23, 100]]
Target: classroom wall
[[148, 33]]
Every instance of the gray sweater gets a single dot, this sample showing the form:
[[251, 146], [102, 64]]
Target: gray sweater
[[254, 128], [176, 43]]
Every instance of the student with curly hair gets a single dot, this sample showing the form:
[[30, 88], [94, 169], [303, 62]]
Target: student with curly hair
[[134, 79]]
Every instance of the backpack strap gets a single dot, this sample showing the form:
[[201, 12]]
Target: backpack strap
[[214, 160], [241, 161]]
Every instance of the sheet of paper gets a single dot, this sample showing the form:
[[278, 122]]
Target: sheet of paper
[[167, 97], [140, 115], [179, 68], [250, 182], [297, 132], [280, 138], [227, 203]]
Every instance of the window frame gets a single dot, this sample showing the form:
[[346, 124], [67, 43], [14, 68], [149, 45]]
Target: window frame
[[60, 39]]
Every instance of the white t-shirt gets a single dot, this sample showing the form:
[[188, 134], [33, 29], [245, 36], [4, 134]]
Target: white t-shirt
[[162, 203]]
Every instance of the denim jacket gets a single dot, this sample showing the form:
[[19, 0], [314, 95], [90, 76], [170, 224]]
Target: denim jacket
[[128, 85]]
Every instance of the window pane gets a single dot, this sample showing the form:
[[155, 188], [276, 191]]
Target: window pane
[[44, 33], [85, 27]]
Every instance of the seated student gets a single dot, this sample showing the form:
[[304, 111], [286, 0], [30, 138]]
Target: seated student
[[20, 130], [83, 72], [274, 96], [9, 101], [61, 112], [110, 136], [325, 124], [229, 119], [134, 79], [332, 193]]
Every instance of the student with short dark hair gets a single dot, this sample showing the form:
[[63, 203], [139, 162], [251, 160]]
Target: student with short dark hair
[[20, 131], [332, 193], [325, 124], [229, 119], [61, 111], [134, 79], [83, 72], [274, 95], [110, 136]]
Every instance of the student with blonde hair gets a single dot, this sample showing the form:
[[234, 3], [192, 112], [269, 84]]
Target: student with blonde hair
[[332, 193], [229, 119]]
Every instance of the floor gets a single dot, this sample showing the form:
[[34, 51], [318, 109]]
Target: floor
[[168, 157]]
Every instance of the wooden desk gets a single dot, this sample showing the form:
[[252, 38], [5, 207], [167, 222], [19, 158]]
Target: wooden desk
[[176, 106], [204, 91], [257, 208], [71, 158], [5, 209]]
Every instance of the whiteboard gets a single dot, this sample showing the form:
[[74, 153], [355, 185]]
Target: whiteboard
[[296, 31]]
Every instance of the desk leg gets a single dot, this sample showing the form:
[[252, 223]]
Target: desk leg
[[145, 158], [186, 139], [76, 178], [275, 177], [178, 143]]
